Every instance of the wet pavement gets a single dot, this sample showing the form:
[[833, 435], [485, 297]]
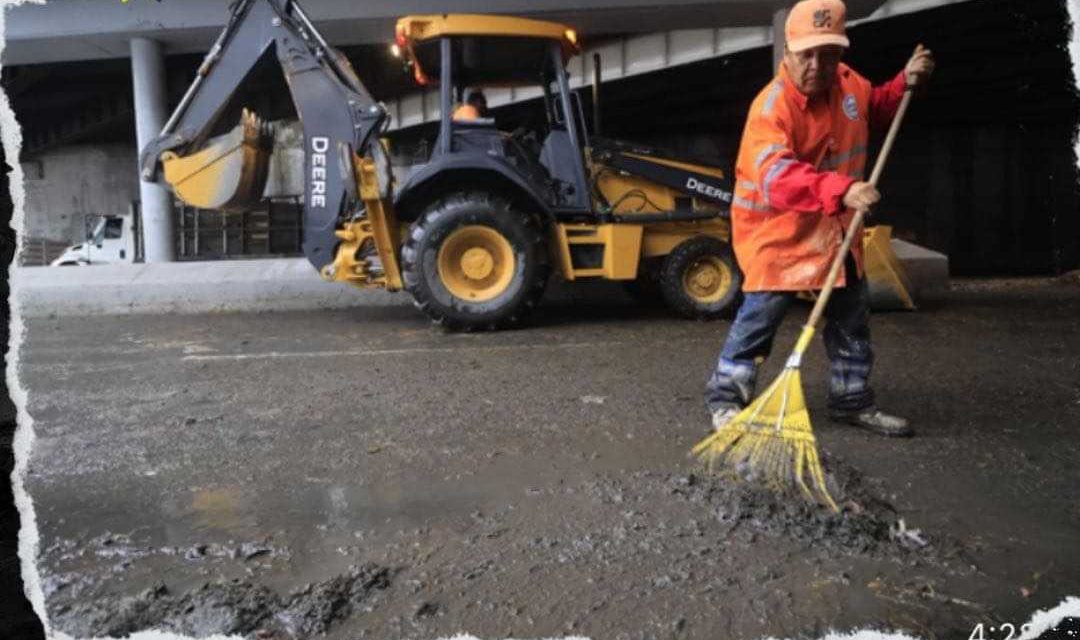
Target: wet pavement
[[362, 474]]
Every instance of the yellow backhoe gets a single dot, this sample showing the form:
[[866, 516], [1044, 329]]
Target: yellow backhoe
[[474, 233]]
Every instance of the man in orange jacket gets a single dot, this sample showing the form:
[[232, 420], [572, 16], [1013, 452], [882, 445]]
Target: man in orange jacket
[[798, 180]]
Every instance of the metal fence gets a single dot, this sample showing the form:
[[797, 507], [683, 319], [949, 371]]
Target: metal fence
[[275, 230], [38, 252]]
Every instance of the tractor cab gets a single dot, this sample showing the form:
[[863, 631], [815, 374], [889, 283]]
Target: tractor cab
[[479, 52], [576, 176]]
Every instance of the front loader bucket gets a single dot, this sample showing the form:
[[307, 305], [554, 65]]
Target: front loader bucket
[[885, 276], [229, 173]]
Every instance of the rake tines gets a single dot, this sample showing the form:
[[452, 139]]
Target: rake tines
[[771, 440]]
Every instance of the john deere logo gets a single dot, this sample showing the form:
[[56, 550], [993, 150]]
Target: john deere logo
[[822, 19]]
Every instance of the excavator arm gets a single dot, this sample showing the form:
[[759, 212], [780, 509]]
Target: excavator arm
[[348, 219]]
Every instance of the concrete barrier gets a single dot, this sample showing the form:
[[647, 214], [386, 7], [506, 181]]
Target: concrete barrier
[[927, 270], [185, 287]]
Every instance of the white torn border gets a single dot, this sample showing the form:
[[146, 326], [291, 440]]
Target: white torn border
[[1040, 622], [24, 431], [1073, 7]]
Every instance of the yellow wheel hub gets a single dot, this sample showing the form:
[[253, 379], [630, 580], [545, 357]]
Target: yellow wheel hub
[[707, 279], [476, 263]]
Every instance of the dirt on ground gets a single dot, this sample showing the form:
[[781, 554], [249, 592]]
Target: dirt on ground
[[692, 519], [537, 483], [232, 607]]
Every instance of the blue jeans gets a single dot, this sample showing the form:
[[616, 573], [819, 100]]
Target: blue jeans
[[847, 342]]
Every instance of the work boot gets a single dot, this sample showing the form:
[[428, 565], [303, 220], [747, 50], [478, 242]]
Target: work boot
[[723, 415], [876, 420]]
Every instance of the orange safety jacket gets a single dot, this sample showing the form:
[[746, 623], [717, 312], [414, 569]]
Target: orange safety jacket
[[466, 113], [797, 158]]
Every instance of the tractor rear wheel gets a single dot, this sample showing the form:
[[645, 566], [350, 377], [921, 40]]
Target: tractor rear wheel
[[700, 279], [472, 261]]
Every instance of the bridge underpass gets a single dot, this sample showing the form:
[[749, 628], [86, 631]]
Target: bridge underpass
[[64, 30], [984, 170]]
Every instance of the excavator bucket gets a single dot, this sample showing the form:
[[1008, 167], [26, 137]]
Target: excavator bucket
[[887, 280], [229, 173]]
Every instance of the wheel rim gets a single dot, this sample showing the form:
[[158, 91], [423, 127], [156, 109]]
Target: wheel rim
[[476, 263], [707, 279]]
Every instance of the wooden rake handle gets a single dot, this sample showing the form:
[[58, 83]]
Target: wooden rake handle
[[856, 222]]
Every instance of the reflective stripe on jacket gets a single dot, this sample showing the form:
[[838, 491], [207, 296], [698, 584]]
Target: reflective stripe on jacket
[[796, 160]]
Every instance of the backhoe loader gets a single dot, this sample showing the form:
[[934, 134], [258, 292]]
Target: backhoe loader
[[474, 233]]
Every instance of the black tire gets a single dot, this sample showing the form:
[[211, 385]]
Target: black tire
[[692, 254], [527, 279]]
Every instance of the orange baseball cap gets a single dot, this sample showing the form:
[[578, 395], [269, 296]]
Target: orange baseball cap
[[813, 23]]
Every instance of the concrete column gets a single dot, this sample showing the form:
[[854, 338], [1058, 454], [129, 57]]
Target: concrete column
[[778, 19], [148, 77]]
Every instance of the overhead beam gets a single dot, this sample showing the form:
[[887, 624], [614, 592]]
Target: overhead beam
[[63, 30]]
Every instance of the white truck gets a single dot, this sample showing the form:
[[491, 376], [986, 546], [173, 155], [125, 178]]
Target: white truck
[[111, 240]]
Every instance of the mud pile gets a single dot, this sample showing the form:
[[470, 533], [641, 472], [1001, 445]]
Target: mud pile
[[234, 607], [867, 524]]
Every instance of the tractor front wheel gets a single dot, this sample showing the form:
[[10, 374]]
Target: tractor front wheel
[[700, 279], [472, 261]]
